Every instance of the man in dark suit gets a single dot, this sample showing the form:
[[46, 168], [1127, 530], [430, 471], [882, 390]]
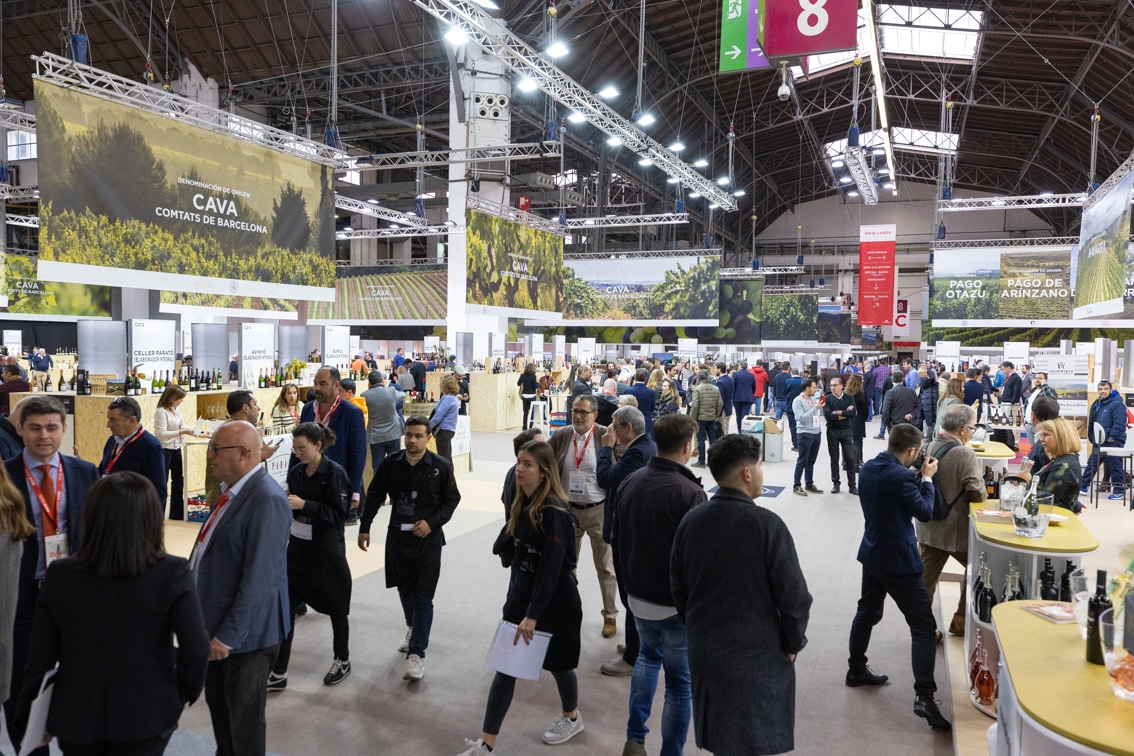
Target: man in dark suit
[[627, 429], [743, 393], [13, 384], [240, 564], [891, 493], [900, 404], [54, 488], [646, 398], [130, 446]]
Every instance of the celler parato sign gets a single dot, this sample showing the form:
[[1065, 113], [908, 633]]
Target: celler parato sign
[[794, 28]]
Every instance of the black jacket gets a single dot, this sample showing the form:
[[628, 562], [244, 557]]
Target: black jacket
[[650, 504], [610, 474], [832, 405], [1011, 390], [11, 445]]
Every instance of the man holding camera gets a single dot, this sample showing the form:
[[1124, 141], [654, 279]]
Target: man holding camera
[[894, 487]]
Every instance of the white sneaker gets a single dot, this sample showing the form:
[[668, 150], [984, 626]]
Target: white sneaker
[[415, 668], [476, 748], [563, 729], [405, 641]]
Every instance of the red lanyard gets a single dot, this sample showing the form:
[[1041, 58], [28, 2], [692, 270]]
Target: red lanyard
[[327, 420], [579, 457], [114, 457], [216, 511], [51, 513]]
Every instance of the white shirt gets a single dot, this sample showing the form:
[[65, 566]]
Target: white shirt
[[226, 490], [588, 468]]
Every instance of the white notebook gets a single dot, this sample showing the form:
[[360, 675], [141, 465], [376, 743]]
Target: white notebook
[[519, 659]]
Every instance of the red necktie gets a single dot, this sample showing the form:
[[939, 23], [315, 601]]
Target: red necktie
[[47, 486]]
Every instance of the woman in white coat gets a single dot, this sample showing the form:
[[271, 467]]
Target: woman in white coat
[[169, 427]]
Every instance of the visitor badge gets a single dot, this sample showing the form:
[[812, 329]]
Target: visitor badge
[[301, 530], [576, 483], [54, 547]]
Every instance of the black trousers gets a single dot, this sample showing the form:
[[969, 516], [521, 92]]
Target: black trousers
[[152, 747], [340, 642], [909, 593], [504, 686], [842, 440], [633, 642], [21, 645], [445, 444], [173, 463], [236, 690]]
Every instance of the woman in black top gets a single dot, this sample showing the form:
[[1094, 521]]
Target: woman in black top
[[1062, 476], [538, 543], [529, 388], [317, 572], [861, 409]]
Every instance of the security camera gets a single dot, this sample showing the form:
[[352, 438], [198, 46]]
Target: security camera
[[784, 92]]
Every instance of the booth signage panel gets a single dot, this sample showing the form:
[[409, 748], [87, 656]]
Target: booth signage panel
[[336, 345], [877, 247], [151, 346], [210, 347], [102, 347], [256, 352], [293, 343]]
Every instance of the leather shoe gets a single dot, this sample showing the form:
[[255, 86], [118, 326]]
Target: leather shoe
[[810, 488], [609, 627], [835, 488], [856, 678], [798, 491], [937, 637], [957, 626], [926, 708], [853, 490]]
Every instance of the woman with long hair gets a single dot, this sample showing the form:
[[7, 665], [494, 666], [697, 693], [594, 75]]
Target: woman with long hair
[[669, 399], [856, 388], [538, 544], [286, 410], [317, 570], [1062, 476], [15, 528], [954, 393], [443, 421], [108, 617], [169, 427]]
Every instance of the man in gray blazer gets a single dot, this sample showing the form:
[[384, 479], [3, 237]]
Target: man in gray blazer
[[240, 565], [384, 428]]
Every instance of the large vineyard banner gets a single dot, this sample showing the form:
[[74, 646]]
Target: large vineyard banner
[[1100, 269], [131, 198], [386, 295], [513, 270], [1019, 287], [23, 293], [791, 317]]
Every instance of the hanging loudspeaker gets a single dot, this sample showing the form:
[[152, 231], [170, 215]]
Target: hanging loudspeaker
[[478, 99], [502, 101], [497, 112], [489, 100], [482, 112]]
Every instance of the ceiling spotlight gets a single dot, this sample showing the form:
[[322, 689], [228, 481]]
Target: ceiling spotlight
[[672, 180], [577, 118], [646, 120], [373, 201], [852, 193], [528, 84], [456, 36], [487, 4], [996, 202], [645, 162], [724, 181], [713, 206], [694, 195], [739, 193], [879, 150], [676, 146], [845, 179], [614, 141], [837, 163], [556, 50], [608, 92], [1046, 194], [702, 163], [890, 185], [347, 229]]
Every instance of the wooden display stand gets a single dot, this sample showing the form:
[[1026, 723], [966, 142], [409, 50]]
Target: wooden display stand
[[494, 402]]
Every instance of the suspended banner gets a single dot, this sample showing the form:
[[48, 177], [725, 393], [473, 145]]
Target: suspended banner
[[791, 317], [877, 247], [512, 270], [901, 318], [24, 294], [741, 310], [387, 295], [740, 37], [133, 198], [1099, 272], [640, 291], [807, 27]]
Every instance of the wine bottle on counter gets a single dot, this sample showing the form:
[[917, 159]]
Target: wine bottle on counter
[[61, 382], [1096, 605]]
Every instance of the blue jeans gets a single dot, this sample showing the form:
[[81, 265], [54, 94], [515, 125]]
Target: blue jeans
[[709, 428], [781, 408], [664, 644], [382, 449], [743, 410], [419, 616], [1114, 471]]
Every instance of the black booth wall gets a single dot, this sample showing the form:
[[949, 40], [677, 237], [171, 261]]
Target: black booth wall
[[49, 335]]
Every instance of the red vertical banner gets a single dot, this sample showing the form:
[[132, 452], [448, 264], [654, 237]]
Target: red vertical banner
[[876, 266], [525, 203]]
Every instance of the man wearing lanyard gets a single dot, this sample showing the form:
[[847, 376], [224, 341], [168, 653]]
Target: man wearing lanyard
[[346, 422], [54, 488], [240, 565], [132, 448], [576, 448]]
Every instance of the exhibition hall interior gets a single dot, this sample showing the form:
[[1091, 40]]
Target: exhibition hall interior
[[831, 300]]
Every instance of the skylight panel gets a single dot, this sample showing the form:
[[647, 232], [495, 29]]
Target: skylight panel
[[929, 32]]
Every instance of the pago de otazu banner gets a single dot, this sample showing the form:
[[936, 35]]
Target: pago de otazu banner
[[132, 198], [877, 246]]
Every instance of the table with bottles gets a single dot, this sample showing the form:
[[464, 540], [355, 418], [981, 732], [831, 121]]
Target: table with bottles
[[1003, 565], [1051, 699]]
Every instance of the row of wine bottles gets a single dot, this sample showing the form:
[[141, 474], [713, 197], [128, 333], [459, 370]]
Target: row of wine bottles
[[270, 378], [984, 595]]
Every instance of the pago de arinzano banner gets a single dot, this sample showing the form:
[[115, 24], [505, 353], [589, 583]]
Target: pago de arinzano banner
[[1101, 268], [512, 270], [132, 198], [641, 291], [877, 247], [1017, 287]]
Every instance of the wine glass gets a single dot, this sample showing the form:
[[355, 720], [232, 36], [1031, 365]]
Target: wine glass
[[1080, 592], [1119, 661]]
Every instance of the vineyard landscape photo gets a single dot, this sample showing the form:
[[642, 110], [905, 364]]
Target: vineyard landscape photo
[[512, 266], [394, 293], [130, 190]]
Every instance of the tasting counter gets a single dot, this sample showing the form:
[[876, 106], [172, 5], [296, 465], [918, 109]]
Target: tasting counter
[[994, 454], [1068, 540], [1052, 701]]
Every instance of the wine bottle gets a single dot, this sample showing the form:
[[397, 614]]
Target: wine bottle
[[1096, 605], [1065, 582], [193, 380], [220, 380], [985, 682], [1047, 578], [987, 597], [974, 659], [60, 380], [978, 585]]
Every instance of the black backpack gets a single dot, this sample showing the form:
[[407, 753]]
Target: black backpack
[[942, 508]]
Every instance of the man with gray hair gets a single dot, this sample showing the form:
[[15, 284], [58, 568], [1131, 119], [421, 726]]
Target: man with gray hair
[[959, 477], [627, 430]]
